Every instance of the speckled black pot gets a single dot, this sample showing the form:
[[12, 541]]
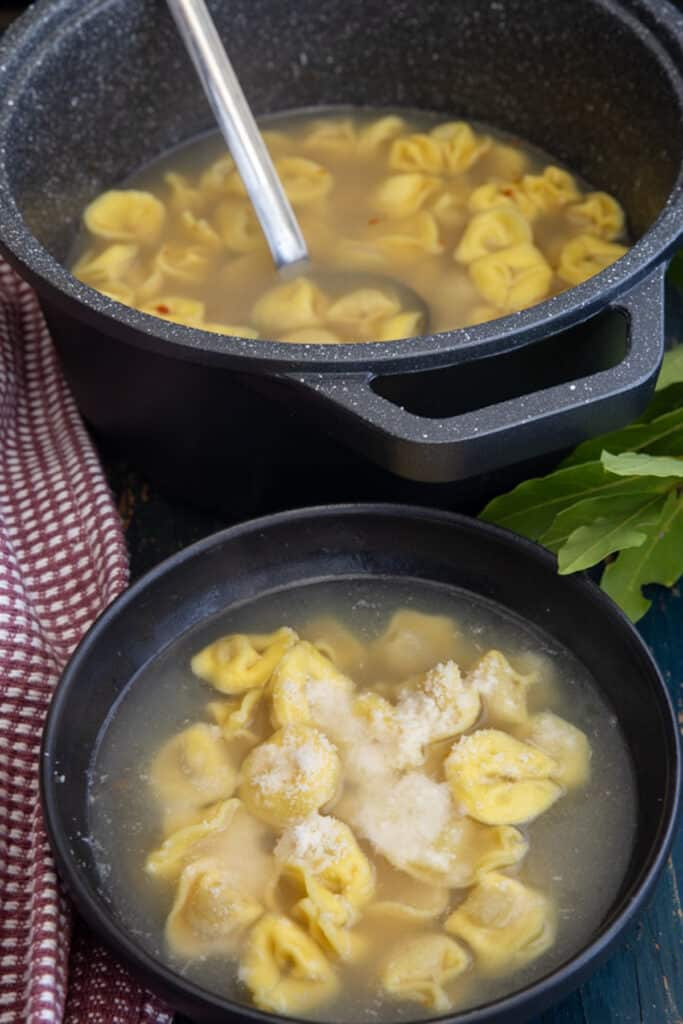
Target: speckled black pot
[[92, 88], [335, 542]]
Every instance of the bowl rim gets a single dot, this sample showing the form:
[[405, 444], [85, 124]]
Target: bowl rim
[[543, 990], [657, 23]]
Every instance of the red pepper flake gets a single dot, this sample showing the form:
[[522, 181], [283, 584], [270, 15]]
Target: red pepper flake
[[374, 220], [163, 309], [507, 191]]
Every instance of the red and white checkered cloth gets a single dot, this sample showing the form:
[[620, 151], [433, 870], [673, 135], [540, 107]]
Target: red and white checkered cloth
[[62, 560]]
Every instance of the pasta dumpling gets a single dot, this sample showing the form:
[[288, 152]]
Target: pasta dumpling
[[506, 924], [376, 134], [465, 850], [323, 849], [297, 672], [187, 264], [183, 196], [412, 643], [490, 230], [190, 843], [198, 231], [108, 268], [289, 306], [421, 968], [551, 189], [600, 214], [292, 774], [401, 325], [311, 336], [332, 136], [411, 239], [500, 780], [336, 642], [360, 310], [304, 181], [567, 745], [236, 717], [209, 913], [284, 969], [193, 769], [503, 690], [239, 662], [238, 227], [416, 152], [586, 255], [402, 195], [126, 215], [460, 146], [216, 179], [513, 278]]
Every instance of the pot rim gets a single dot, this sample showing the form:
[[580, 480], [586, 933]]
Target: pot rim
[[48, 20], [539, 993]]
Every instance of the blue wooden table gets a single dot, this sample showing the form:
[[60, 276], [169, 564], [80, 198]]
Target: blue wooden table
[[643, 982]]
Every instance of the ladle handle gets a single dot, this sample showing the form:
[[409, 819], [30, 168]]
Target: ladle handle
[[239, 129]]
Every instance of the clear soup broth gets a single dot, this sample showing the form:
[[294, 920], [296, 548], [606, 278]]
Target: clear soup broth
[[413, 920], [477, 223]]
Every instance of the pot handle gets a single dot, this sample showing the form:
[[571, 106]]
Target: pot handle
[[433, 450]]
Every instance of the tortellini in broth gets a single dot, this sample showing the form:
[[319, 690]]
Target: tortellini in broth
[[360, 806], [477, 225]]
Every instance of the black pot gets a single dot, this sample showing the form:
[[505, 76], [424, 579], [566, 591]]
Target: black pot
[[343, 541], [90, 90]]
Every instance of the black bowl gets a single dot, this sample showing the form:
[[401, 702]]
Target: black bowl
[[327, 542], [90, 91]]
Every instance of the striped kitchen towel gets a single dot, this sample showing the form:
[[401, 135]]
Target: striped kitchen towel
[[62, 560]]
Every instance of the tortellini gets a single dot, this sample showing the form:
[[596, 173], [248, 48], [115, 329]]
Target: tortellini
[[284, 969], [193, 769], [298, 303], [420, 969], [503, 690], [293, 684], [460, 146], [304, 181], [585, 256], [127, 215], [567, 745], [402, 195], [478, 226], [292, 774], [506, 924], [500, 780], [511, 279], [491, 230], [241, 662], [599, 213], [209, 912], [374, 797], [412, 643]]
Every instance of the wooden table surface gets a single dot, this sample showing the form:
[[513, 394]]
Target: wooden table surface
[[643, 982]]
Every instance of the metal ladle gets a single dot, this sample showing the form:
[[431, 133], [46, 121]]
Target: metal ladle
[[248, 150]]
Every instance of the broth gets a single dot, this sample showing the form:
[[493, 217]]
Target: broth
[[579, 848], [476, 223]]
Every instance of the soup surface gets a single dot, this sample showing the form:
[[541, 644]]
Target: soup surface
[[405, 801], [477, 224]]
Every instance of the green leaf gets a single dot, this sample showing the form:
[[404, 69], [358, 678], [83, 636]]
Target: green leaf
[[672, 368], [634, 464], [532, 506], [668, 399], [583, 513], [658, 560], [663, 435], [616, 531]]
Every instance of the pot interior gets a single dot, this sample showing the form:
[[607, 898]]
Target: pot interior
[[108, 87], [327, 544]]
